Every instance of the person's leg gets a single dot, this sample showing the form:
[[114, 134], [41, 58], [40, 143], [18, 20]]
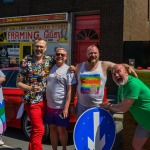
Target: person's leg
[[140, 137], [138, 142], [79, 110], [36, 112], [63, 136], [54, 136], [1, 141]]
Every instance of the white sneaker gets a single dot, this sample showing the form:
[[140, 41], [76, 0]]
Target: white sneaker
[[1, 143]]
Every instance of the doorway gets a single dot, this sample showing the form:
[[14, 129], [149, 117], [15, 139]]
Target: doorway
[[87, 33], [25, 49]]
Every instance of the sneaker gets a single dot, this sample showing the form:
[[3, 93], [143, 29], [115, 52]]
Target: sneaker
[[1, 143]]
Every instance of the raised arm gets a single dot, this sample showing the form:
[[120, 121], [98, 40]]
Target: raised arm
[[107, 65]]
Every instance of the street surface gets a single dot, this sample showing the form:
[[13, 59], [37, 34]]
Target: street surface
[[15, 140]]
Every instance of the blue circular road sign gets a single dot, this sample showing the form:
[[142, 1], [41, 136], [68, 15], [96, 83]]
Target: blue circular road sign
[[94, 130]]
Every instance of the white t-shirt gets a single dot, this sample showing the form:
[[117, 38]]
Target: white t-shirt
[[56, 89]]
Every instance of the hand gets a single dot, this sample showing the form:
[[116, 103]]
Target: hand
[[72, 68], [65, 113], [132, 71], [105, 106], [35, 88]]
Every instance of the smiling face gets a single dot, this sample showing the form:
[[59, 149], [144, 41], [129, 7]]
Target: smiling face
[[92, 54], [119, 74], [39, 48], [60, 56]]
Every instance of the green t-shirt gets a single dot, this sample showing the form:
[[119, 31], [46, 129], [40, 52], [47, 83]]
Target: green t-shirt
[[137, 90]]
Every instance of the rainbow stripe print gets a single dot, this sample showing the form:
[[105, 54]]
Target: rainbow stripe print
[[2, 117], [90, 83]]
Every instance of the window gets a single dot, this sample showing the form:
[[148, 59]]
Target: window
[[139, 51], [11, 76]]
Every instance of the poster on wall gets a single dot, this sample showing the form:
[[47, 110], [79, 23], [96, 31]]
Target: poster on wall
[[9, 55]]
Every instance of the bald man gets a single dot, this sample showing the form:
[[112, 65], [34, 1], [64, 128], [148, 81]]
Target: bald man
[[133, 95]]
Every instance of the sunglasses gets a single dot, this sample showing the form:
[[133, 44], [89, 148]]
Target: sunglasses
[[38, 46], [59, 54]]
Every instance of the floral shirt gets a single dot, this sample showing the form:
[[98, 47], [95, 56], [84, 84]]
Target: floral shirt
[[33, 73]]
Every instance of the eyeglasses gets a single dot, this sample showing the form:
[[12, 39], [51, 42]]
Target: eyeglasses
[[59, 54]]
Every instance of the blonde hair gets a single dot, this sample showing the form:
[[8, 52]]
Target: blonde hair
[[61, 48]]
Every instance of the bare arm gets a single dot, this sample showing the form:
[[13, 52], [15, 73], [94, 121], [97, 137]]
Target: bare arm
[[68, 97], [21, 85], [108, 65], [120, 107], [25, 87], [2, 79]]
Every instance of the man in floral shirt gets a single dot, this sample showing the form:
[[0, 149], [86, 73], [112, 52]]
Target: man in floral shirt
[[31, 78]]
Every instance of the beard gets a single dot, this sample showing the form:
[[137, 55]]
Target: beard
[[38, 53], [121, 83], [92, 61]]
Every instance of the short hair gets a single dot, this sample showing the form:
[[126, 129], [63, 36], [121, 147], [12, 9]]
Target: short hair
[[40, 39], [91, 46], [61, 48]]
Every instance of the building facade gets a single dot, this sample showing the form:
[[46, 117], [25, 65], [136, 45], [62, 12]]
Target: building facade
[[116, 27]]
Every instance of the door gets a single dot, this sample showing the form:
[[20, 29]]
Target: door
[[87, 33], [25, 49]]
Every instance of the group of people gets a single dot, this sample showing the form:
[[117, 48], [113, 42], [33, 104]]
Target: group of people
[[49, 84]]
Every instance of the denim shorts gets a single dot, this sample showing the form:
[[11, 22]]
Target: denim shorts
[[52, 117], [141, 132]]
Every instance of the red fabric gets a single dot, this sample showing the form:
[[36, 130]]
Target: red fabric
[[36, 113]]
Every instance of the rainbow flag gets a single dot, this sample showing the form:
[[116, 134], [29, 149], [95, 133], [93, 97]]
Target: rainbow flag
[[2, 117], [90, 83]]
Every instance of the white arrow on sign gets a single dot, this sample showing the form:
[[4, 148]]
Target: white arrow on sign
[[98, 143]]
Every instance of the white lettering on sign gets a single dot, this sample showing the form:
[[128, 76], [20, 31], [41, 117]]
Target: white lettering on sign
[[97, 143]]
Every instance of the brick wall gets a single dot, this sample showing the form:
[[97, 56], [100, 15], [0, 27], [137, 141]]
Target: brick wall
[[136, 20], [111, 21], [111, 40]]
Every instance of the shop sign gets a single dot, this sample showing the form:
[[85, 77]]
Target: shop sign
[[50, 32], [34, 19]]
